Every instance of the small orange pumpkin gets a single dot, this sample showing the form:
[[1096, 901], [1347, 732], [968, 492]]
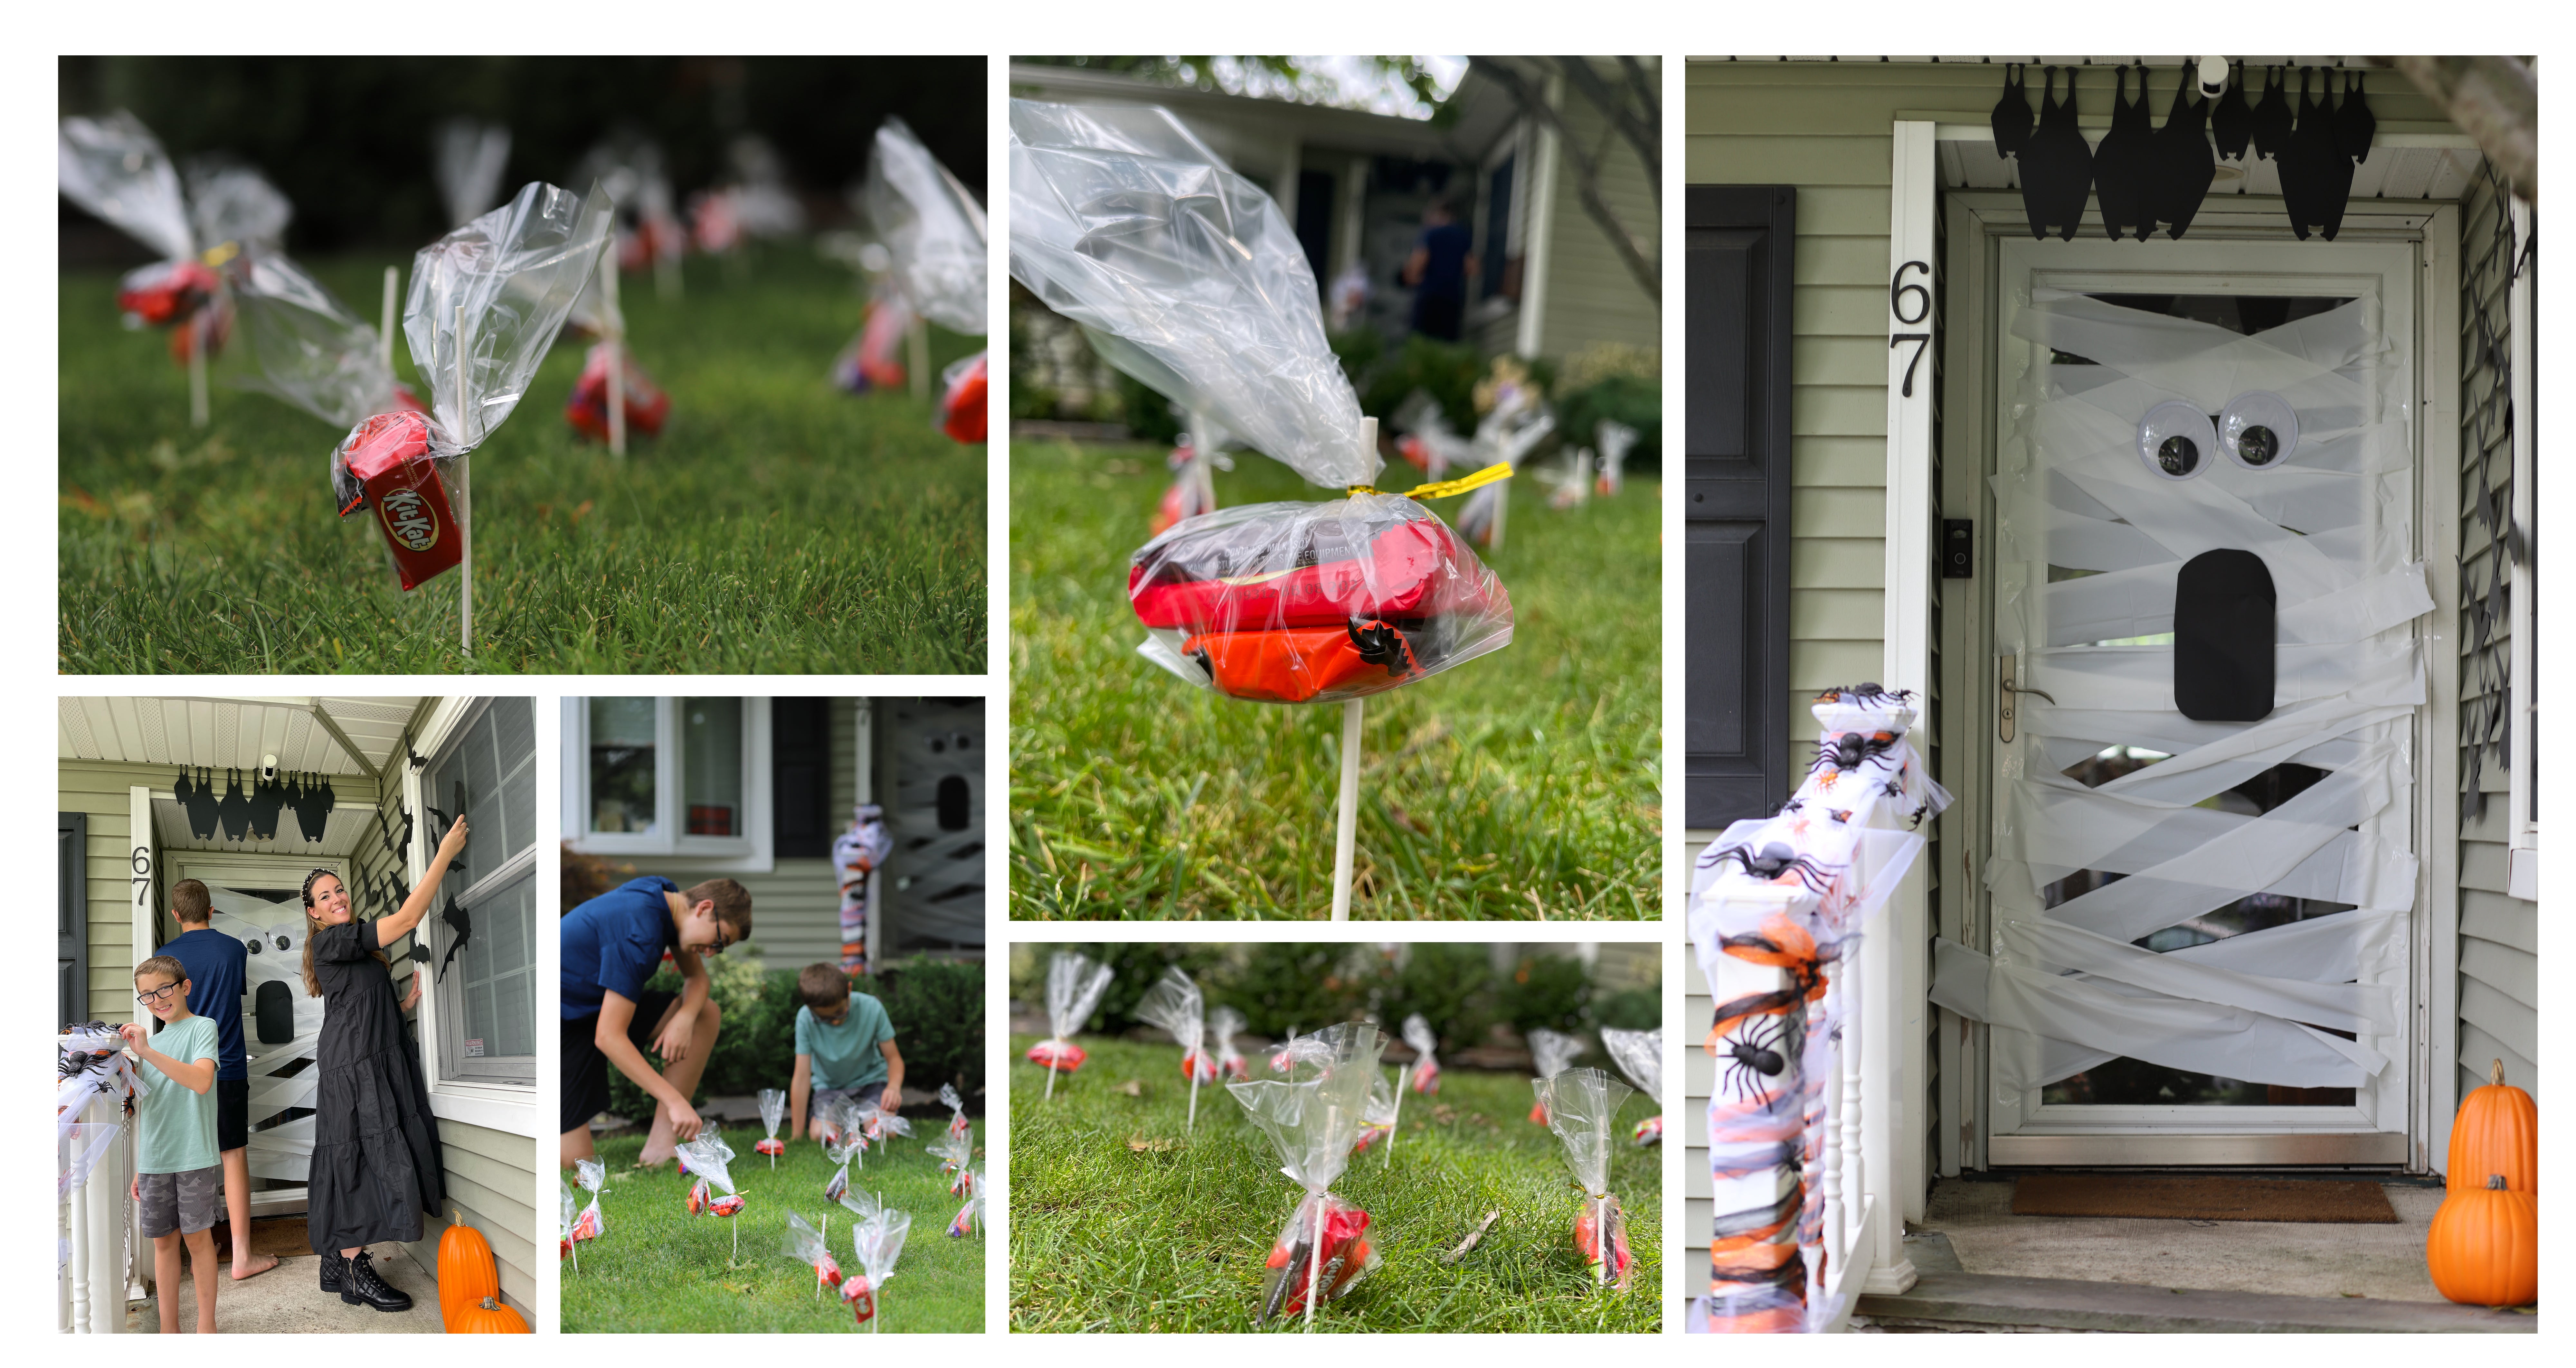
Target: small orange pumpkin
[[2484, 1249], [2496, 1133], [488, 1317], [466, 1272]]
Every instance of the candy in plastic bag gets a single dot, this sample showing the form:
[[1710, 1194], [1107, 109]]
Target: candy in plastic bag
[[306, 346], [1175, 1004], [956, 1105], [590, 1223], [1074, 988], [970, 1217], [1616, 439], [1640, 1055], [515, 273], [1582, 1107], [962, 401], [1550, 1052], [1425, 1076], [807, 1246], [1377, 1119], [1321, 1252], [874, 357], [876, 1238], [954, 1152], [932, 228], [1222, 1024], [773, 1111], [705, 1157], [587, 409]]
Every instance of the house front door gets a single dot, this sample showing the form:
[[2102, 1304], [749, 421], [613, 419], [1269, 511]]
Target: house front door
[[2207, 694], [261, 905]]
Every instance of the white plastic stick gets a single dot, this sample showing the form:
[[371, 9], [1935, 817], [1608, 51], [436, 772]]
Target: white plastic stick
[[1315, 1265], [1601, 1241], [617, 356], [1502, 514], [464, 504], [385, 329], [1050, 1073], [920, 339], [1193, 1126], [197, 414], [1347, 814], [1398, 1123]]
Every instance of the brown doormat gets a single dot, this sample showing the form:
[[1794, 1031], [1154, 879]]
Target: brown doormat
[[2202, 1199]]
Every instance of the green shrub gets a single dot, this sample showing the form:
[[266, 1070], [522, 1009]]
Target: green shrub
[[1299, 985], [1545, 990], [1451, 985], [1629, 1009], [1629, 399]]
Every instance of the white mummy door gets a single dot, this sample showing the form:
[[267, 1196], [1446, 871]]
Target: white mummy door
[[282, 1076]]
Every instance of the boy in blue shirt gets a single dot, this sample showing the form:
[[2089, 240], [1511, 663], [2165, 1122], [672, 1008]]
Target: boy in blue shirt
[[612, 945], [216, 965], [178, 1177], [844, 1047]]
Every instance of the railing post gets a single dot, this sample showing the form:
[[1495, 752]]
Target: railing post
[[1856, 1024], [1829, 1164]]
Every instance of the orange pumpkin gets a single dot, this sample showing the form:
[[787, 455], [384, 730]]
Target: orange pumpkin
[[2496, 1133], [488, 1317], [466, 1273], [2484, 1249]]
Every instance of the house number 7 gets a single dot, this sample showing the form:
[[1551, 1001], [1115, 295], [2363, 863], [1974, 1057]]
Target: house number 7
[[1900, 296]]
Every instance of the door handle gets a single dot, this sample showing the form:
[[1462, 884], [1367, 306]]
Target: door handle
[[2005, 690]]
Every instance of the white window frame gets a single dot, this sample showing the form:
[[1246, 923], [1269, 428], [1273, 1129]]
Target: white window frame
[[749, 853], [2523, 876], [467, 1099]]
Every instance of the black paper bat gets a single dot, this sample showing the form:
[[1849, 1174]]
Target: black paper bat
[[439, 822], [419, 952], [459, 921]]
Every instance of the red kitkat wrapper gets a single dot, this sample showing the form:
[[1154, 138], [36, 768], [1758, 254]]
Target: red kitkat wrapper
[[961, 410], [387, 461]]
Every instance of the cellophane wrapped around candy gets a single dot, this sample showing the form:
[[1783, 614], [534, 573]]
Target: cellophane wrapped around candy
[[807, 1246], [587, 409], [1640, 1055], [874, 357], [1616, 439], [114, 168], [590, 1222], [934, 232], [1582, 1107], [1321, 1252], [876, 1237], [970, 1217], [1185, 275], [773, 1113], [1223, 1023], [1425, 1074], [1074, 988], [840, 1152], [954, 1152], [962, 399], [306, 346], [516, 272], [1175, 1004], [956, 1105], [1550, 1052], [706, 1158], [1377, 1119]]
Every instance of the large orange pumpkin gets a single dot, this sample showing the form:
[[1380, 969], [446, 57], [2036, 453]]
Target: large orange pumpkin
[[2484, 1249], [466, 1273], [488, 1317], [2497, 1133]]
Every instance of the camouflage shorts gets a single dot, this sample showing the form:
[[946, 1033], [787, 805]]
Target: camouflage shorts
[[182, 1203]]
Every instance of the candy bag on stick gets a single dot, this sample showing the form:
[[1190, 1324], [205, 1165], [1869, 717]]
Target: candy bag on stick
[[1550, 1052], [587, 408], [114, 168], [808, 1246], [1640, 1055], [1183, 274], [970, 1217], [510, 276], [1426, 1068], [1321, 1251], [956, 1105], [306, 346], [876, 1238], [1222, 1024], [1377, 1117], [1174, 1003], [1074, 987], [962, 399], [590, 1223], [839, 1153], [470, 159], [773, 1111], [1582, 1107], [931, 227]]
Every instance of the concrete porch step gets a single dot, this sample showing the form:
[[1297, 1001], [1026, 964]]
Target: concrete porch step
[[1993, 1303]]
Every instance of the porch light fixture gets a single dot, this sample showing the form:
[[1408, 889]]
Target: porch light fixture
[[2176, 440]]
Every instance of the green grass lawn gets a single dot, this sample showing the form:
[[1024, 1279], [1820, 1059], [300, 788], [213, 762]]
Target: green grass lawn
[[1518, 785], [1106, 1236], [661, 1270], [776, 525]]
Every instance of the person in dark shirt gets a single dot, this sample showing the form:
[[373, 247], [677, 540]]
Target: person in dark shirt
[[1439, 269], [612, 945], [216, 966]]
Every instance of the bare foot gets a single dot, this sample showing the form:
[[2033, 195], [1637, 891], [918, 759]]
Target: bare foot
[[257, 1264], [648, 1159]]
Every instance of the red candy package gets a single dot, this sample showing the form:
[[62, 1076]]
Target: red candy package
[[961, 407], [385, 464], [587, 409], [165, 292]]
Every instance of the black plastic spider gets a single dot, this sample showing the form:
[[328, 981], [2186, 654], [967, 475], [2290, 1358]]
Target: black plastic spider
[[1839, 814], [1753, 1050], [1919, 814], [1776, 859], [1865, 694], [1846, 751], [1891, 788], [1794, 805]]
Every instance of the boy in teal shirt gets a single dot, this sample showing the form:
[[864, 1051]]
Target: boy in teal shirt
[[178, 1173], [844, 1046]]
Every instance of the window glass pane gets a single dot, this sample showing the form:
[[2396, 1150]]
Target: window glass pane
[[621, 764], [711, 765], [488, 992], [488, 775], [514, 741]]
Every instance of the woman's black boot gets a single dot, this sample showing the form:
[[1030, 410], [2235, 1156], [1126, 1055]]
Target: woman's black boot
[[335, 1270], [364, 1287]]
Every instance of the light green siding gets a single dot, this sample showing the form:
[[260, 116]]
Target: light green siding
[[1591, 296], [491, 1186], [796, 906]]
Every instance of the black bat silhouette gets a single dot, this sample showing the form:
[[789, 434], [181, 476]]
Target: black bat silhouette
[[462, 923]]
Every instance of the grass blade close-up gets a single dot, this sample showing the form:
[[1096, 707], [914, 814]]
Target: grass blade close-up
[[660, 1270], [775, 525], [1520, 785], [1120, 1222]]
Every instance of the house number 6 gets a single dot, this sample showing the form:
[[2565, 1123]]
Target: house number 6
[[1898, 292]]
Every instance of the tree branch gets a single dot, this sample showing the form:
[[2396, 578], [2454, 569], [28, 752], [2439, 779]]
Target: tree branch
[[2494, 100], [1587, 178], [1579, 73]]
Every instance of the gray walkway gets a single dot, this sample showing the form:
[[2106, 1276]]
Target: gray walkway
[[287, 1300]]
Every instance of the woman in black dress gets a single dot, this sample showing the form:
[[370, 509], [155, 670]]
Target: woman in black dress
[[375, 1145]]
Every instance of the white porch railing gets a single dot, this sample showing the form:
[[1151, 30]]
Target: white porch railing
[[99, 1231]]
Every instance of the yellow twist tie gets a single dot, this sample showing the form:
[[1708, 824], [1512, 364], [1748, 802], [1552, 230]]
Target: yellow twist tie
[[220, 253], [1442, 489]]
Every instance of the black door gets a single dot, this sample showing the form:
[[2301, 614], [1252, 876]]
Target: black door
[[71, 919], [1735, 643]]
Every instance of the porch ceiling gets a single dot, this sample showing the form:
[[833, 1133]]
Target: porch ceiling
[[2410, 170], [234, 733], [342, 832]]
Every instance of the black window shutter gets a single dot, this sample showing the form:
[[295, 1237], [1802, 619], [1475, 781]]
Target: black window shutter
[[800, 778], [1735, 642], [71, 922]]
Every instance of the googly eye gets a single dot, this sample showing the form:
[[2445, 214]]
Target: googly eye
[[2176, 440], [2258, 429]]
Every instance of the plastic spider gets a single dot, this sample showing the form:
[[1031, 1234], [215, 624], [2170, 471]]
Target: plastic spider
[[1865, 694], [1775, 860], [1839, 814], [1752, 1050], [1848, 750], [1891, 788]]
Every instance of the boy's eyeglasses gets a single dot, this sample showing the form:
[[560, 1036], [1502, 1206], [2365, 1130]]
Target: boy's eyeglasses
[[153, 996]]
